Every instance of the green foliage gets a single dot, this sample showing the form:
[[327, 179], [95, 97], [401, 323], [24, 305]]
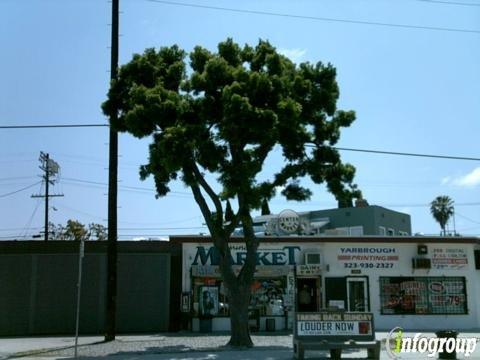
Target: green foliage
[[224, 114], [97, 232], [76, 231], [442, 209]]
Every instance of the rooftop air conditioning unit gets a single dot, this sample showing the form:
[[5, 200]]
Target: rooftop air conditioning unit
[[313, 259]]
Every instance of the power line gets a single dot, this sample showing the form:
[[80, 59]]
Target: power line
[[449, 157], [52, 126], [466, 218], [122, 186], [449, 2], [427, 205], [25, 230], [163, 228], [17, 178], [315, 18], [19, 190]]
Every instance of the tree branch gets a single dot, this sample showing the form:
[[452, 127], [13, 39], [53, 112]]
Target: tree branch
[[251, 241], [233, 224], [213, 196], [200, 200]]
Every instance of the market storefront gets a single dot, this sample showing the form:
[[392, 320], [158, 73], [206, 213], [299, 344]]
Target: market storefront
[[402, 281]]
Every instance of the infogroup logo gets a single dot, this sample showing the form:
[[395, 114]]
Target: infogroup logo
[[397, 343]]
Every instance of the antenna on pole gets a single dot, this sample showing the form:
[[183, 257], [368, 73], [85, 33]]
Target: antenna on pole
[[51, 170]]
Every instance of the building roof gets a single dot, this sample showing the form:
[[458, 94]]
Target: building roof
[[341, 239]]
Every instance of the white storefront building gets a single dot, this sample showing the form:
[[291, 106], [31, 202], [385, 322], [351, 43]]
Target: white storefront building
[[417, 283]]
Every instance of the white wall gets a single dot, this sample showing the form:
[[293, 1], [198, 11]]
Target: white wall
[[335, 256]]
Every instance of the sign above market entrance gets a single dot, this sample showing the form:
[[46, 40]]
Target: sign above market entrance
[[282, 256]]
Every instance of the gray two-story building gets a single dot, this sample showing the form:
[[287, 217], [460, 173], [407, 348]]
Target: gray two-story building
[[363, 219]]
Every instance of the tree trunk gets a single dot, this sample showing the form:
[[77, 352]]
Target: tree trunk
[[239, 301]]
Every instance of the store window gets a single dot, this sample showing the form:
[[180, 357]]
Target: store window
[[423, 295], [268, 296], [210, 297]]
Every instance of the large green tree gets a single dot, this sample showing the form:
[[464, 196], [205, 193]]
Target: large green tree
[[442, 210], [222, 113]]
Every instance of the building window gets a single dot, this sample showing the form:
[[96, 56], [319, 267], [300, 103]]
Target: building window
[[343, 231], [356, 230], [382, 231], [268, 297], [423, 295], [390, 232]]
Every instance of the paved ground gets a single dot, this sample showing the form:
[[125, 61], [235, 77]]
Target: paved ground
[[178, 346]]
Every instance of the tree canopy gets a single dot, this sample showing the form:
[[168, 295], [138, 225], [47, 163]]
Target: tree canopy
[[223, 113], [75, 230], [442, 209]]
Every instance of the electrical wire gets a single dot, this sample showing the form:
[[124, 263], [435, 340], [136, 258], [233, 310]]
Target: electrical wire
[[316, 18], [19, 190], [449, 2], [17, 178], [163, 228], [27, 225], [383, 152], [466, 218], [124, 187], [52, 126]]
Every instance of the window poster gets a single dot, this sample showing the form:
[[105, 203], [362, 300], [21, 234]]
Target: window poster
[[208, 300], [423, 295]]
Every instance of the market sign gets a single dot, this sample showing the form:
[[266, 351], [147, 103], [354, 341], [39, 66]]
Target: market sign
[[338, 326], [269, 257], [449, 259]]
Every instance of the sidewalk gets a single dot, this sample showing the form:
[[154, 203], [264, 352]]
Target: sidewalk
[[176, 346]]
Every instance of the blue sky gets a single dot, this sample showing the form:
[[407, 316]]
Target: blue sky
[[413, 91]]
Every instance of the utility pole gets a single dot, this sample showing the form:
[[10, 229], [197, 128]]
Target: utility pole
[[51, 169], [112, 194]]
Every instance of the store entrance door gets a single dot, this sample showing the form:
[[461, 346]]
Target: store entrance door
[[308, 294], [357, 293]]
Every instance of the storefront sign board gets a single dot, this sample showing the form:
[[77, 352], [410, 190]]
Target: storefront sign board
[[338, 326]]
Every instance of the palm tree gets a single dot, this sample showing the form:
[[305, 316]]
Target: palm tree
[[442, 209]]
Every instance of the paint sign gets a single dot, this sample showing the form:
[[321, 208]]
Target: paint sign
[[449, 259], [328, 324]]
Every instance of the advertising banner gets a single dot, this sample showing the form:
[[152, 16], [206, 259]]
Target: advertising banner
[[335, 325]]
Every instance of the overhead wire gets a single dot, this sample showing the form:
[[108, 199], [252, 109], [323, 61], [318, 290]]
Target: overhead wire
[[51, 126], [449, 2], [466, 218], [19, 190], [316, 18], [29, 223]]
